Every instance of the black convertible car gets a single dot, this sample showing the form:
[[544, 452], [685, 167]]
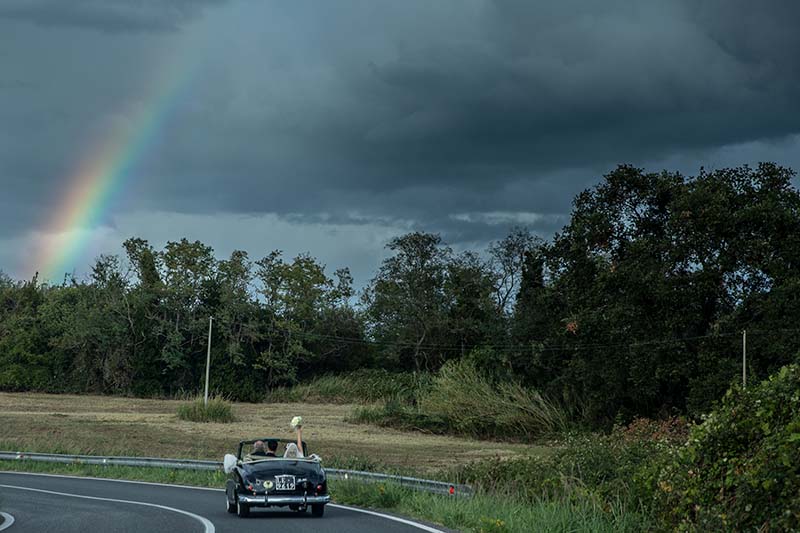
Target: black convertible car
[[258, 481]]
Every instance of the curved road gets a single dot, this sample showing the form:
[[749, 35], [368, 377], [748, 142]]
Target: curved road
[[44, 503]]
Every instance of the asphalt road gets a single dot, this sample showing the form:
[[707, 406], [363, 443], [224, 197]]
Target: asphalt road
[[43, 503]]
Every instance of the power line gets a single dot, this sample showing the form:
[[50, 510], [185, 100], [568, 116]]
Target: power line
[[530, 344]]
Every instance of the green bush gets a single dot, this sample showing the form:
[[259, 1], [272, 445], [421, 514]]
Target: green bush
[[620, 468], [472, 404], [396, 414], [217, 410], [741, 468]]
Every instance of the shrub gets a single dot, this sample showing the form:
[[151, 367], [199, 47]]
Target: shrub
[[217, 410], [620, 468], [741, 468], [394, 413], [472, 404]]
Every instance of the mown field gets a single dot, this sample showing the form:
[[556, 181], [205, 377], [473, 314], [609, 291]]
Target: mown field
[[146, 427]]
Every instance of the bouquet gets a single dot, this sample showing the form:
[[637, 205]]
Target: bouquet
[[296, 422]]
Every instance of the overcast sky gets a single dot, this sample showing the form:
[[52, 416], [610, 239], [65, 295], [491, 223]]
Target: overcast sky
[[330, 127]]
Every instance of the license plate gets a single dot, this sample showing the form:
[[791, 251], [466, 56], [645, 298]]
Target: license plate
[[284, 482]]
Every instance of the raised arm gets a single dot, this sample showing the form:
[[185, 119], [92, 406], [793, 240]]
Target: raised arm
[[300, 440]]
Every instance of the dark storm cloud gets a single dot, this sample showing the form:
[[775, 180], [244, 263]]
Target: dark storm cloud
[[571, 85], [106, 15], [514, 91], [461, 116]]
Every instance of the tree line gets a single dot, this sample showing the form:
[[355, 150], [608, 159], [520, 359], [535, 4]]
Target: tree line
[[635, 307]]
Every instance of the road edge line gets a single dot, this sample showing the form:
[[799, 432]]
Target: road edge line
[[405, 521], [8, 521], [206, 523]]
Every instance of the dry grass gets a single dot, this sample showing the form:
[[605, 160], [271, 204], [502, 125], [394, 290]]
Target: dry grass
[[133, 426]]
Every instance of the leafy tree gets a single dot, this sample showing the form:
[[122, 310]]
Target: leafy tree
[[406, 301], [308, 315], [25, 361], [507, 259], [650, 256], [472, 316]]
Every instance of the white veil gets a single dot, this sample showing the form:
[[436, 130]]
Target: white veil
[[292, 451]]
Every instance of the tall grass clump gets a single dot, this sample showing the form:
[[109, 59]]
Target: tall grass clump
[[473, 404], [399, 415], [217, 410]]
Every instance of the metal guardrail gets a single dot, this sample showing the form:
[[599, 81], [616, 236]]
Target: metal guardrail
[[414, 483], [425, 485], [184, 464]]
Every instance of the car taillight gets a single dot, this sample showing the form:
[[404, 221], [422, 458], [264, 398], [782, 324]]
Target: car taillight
[[319, 488]]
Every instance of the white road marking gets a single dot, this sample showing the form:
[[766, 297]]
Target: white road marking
[[209, 527], [8, 521], [423, 527]]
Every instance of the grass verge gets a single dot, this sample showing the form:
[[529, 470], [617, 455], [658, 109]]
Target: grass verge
[[481, 513], [486, 512]]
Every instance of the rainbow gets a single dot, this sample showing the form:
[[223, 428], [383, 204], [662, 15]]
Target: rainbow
[[102, 175]]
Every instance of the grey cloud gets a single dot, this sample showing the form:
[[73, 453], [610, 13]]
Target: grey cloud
[[11, 85], [459, 116], [519, 88], [572, 87], [106, 15]]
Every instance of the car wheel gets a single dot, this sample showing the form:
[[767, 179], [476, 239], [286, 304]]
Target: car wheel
[[230, 506], [318, 509], [242, 509]]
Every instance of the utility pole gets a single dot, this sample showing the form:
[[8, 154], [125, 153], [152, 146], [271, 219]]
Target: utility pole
[[208, 358], [744, 359]]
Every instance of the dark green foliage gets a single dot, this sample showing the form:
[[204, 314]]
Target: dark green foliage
[[406, 302], [141, 328], [635, 308], [741, 469], [216, 410]]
